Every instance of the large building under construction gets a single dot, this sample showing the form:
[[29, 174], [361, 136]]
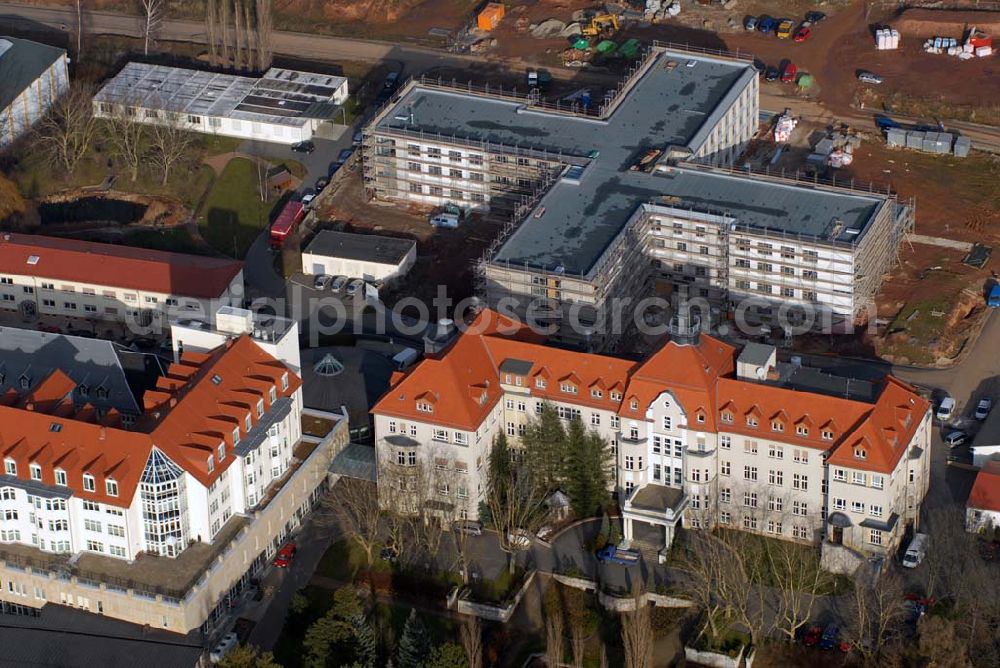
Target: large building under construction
[[634, 196]]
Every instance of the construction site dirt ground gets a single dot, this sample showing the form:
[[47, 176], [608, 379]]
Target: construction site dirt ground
[[932, 302], [444, 257]]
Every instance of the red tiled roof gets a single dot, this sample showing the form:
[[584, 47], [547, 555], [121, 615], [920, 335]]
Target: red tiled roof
[[985, 494], [118, 266], [184, 424]]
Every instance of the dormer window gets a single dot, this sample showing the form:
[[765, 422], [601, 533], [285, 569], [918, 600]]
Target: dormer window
[[236, 436], [424, 407], [751, 421], [210, 463], [633, 404], [10, 467], [221, 451], [88, 483], [61, 478], [860, 453], [727, 417], [540, 383], [802, 430], [83, 390], [25, 382], [272, 394], [111, 487], [568, 388], [777, 426], [616, 396], [827, 435], [260, 408], [284, 381], [700, 418], [247, 423], [596, 393], [102, 392], [36, 471]]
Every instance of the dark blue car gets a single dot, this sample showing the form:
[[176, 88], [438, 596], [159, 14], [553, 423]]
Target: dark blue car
[[831, 636], [767, 24]]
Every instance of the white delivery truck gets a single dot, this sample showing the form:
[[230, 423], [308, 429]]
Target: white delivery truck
[[916, 551]]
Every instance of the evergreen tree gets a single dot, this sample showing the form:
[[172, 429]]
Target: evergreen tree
[[333, 629], [365, 645], [586, 470], [546, 449], [448, 655], [414, 647]]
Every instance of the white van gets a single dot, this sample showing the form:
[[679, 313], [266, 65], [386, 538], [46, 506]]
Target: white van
[[916, 551], [405, 358], [445, 220]]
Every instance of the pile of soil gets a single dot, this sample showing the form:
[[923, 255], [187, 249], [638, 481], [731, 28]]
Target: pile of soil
[[944, 23]]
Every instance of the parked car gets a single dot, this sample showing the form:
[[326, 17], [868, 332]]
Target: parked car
[[803, 33], [759, 65], [983, 408], [785, 28], [750, 23], [285, 555], [345, 155], [945, 409], [321, 184], [916, 550], [304, 147], [815, 17], [789, 72], [354, 287], [869, 77], [519, 538], [812, 636], [388, 553], [307, 200], [358, 137], [771, 74], [468, 527], [956, 438], [830, 638], [339, 283], [322, 282], [766, 24], [614, 555], [223, 647]]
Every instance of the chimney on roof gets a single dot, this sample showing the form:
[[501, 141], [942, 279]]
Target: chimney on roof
[[173, 401], [102, 433], [29, 406], [442, 335]]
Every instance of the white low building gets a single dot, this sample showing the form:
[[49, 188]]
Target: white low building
[[282, 106], [49, 276], [277, 336], [32, 77], [368, 256]]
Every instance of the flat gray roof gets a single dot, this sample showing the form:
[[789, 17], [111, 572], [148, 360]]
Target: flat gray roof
[[361, 247], [574, 224], [280, 96], [21, 63], [666, 106]]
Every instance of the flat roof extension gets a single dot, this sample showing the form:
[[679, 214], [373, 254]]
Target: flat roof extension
[[361, 247]]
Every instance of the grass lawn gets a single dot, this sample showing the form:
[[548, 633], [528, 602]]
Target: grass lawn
[[233, 215], [341, 561]]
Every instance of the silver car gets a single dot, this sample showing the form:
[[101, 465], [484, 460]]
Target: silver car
[[869, 77], [338, 283], [354, 287], [322, 282]]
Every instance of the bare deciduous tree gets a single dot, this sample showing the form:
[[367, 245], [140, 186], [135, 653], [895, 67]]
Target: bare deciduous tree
[[69, 128], [153, 12], [169, 144], [265, 33], [472, 641], [637, 634], [514, 498], [127, 137], [79, 29], [212, 30], [876, 616], [225, 21], [577, 639], [798, 580], [554, 640], [355, 504]]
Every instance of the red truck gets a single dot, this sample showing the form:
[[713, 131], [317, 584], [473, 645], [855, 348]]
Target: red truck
[[286, 223]]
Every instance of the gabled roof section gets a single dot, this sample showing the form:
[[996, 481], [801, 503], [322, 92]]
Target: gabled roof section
[[123, 267], [985, 494]]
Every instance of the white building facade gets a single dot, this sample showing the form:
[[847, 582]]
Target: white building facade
[[32, 77]]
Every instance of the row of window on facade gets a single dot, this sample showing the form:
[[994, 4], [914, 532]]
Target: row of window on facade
[[438, 191], [130, 297], [61, 477]]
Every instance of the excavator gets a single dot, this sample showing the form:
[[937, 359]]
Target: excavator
[[603, 25]]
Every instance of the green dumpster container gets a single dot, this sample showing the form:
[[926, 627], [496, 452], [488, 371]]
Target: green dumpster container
[[630, 48], [581, 44], [606, 47]]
